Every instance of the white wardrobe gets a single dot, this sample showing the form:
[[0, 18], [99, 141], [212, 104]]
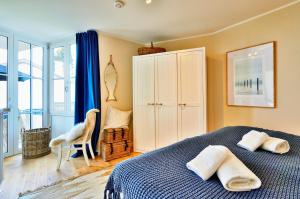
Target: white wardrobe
[[169, 98]]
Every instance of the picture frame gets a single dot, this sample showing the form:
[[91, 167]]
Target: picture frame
[[251, 76]]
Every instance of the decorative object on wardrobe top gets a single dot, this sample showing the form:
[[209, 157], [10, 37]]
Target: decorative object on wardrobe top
[[150, 50], [111, 78]]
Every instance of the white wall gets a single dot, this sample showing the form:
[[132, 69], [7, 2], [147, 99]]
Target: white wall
[[61, 124]]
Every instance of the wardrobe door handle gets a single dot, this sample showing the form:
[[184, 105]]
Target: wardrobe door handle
[[182, 104], [151, 104], [159, 104]]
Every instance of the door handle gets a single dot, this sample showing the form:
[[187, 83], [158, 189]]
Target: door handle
[[5, 110], [182, 104], [150, 104], [159, 104]]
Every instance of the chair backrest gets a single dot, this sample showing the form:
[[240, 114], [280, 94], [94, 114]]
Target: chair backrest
[[89, 123]]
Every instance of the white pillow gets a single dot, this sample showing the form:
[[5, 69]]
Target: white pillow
[[116, 118]]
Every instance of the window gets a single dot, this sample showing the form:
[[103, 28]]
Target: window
[[30, 84], [72, 76], [59, 79], [63, 59]]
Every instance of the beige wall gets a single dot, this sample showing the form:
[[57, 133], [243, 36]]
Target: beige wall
[[122, 52], [283, 27]]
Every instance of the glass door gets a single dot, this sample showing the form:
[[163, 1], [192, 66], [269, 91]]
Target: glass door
[[30, 65], [5, 95], [22, 90], [3, 87]]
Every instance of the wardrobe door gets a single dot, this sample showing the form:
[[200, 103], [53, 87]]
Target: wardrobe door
[[144, 108], [192, 94], [166, 100]]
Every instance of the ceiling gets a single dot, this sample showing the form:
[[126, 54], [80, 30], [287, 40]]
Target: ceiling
[[50, 20]]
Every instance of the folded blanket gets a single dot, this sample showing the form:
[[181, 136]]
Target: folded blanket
[[235, 176], [276, 145], [208, 161], [252, 140]]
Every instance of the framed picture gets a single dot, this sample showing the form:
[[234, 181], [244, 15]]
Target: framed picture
[[251, 76]]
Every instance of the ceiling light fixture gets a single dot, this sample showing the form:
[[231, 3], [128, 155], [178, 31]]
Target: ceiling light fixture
[[119, 4], [148, 1]]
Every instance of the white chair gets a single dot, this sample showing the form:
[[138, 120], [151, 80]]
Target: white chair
[[85, 140]]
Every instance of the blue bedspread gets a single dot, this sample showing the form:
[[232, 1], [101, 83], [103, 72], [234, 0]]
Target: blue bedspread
[[163, 173]]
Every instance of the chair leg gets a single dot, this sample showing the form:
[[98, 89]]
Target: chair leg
[[91, 150], [69, 152], [59, 157], [86, 158]]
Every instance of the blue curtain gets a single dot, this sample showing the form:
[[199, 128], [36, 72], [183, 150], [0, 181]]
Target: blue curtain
[[87, 83]]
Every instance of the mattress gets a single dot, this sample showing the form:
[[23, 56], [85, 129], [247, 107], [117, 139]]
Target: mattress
[[163, 174]]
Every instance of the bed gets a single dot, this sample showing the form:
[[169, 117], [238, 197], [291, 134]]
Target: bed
[[163, 174]]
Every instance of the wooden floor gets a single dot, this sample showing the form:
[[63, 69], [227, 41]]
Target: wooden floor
[[23, 175]]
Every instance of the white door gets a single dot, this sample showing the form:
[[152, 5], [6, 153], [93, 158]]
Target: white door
[[144, 104], [166, 99], [192, 94]]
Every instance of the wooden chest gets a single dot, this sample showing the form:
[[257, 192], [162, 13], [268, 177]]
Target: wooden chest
[[115, 150], [115, 135]]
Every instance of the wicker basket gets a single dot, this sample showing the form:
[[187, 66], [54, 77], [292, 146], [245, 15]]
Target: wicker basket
[[35, 142], [110, 151], [150, 50], [115, 135]]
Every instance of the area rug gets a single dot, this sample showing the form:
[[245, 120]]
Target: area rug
[[90, 186]]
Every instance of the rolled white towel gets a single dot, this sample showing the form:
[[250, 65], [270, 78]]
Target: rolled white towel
[[235, 176], [206, 163], [253, 140], [276, 145]]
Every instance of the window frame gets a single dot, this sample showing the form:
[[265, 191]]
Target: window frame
[[67, 78]]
